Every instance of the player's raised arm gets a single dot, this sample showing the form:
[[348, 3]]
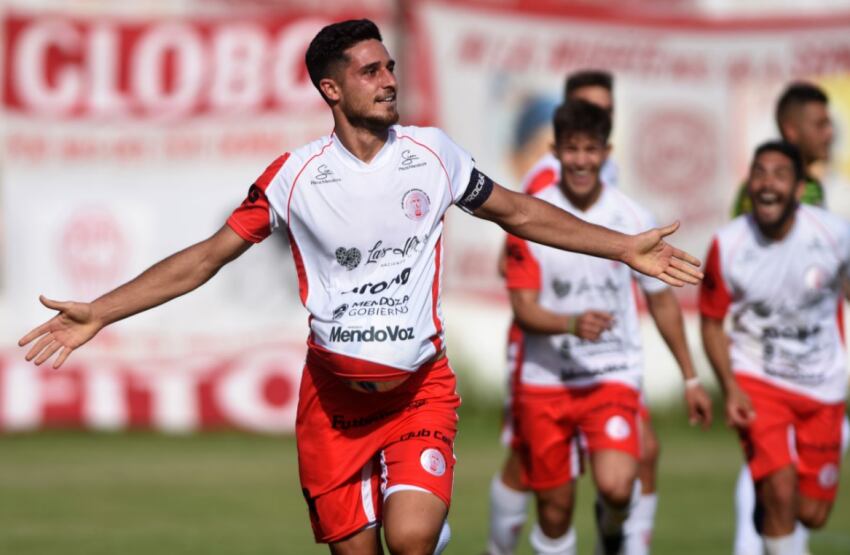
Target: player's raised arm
[[172, 277], [541, 222]]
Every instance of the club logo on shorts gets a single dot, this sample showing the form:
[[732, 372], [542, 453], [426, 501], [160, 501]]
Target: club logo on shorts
[[415, 204], [433, 462], [828, 476], [617, 428], [348, 258]]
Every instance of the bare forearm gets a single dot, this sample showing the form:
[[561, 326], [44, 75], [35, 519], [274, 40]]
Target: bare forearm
[[716, 346], [537, 320], [541, 222], [172, 277], [667, 314]]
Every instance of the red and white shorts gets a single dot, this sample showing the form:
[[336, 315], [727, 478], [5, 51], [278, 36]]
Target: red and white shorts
[[547, 420], [793, 429], [355, 449]]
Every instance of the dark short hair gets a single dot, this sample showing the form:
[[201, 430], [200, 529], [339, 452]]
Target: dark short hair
[[795, 96], [588, 78], [786, 149], [579, 116], [329, 45]]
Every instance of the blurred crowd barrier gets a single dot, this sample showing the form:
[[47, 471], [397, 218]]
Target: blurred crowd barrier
[[129, 132]]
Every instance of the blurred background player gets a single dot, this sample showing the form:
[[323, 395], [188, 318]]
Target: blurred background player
[[579, 363], [782, 366], [802, 117], [508, 497]]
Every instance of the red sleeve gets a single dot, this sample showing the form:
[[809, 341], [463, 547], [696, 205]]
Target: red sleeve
[[523, 271], [714, 298], [543, 179], [252, 219]]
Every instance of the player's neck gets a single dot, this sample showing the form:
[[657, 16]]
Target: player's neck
[[781, 230], [582, 202], [362, 142]]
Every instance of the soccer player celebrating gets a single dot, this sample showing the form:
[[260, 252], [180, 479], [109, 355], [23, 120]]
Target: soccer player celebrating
[[579, 365], [364, 209], [508, 496], [782, 367], [802, 117]]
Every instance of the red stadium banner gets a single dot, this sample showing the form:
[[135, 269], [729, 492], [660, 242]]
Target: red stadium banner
[[253, 388]]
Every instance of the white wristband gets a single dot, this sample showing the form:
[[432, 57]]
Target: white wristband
[[692, 382]]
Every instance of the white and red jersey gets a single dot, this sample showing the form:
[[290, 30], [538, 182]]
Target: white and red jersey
[[547, 171], [367, 244], [571, 283], [784, 298]]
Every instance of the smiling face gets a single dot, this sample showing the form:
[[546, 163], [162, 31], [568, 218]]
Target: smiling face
[[364, 87], [774, 190], [581, 156]]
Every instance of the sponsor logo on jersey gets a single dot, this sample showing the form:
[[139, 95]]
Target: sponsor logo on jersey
[[371, 334], [410, 161], [348, 258], [415, 204], [561, 288], [390, 256], [324, 175], [382, 306], [375, 288], [433, 461], [617, 428]]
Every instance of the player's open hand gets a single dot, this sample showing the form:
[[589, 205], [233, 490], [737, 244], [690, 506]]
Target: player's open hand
[[739, 408], [74, 325], [699, 405], [651, 255], [589, 325]]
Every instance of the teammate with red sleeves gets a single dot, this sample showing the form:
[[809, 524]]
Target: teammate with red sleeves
[[778, 273], [579, 365], [364, 209]]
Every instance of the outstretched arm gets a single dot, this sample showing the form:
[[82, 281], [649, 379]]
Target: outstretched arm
[[667, 314], [541, 222], [172, 277]]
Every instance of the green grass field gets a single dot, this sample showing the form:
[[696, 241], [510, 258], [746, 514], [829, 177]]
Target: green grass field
[[73, 493]]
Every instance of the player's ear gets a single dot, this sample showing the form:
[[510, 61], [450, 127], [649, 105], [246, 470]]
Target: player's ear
[[799, 190], [608, 148], [330, 89]]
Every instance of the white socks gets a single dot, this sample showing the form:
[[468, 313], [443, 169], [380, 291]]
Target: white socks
[[507, 516], [445, 536], [544, 545], [782, 545], [638, 527]]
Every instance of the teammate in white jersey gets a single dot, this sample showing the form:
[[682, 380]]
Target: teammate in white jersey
[[508, 497], [579, 365], [778, 272], [364, 208]]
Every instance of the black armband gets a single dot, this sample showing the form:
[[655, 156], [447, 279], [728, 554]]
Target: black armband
[[477, 192]]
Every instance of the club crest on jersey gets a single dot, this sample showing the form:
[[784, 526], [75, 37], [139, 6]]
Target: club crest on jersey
[[433, 462], [815, 278], [348, 258], [415, 204]]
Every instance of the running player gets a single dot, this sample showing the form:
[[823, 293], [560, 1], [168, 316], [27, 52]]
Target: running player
[[579, 365], [364, 209], [779, 272], [508, 497], [802, 117]]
